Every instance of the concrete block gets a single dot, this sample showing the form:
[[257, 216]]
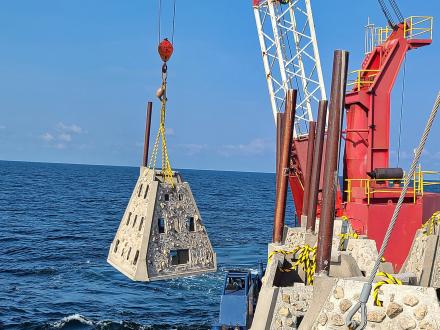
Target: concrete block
[[265, 308], [424, 259], [403, 305], [364, 251], [161, 234]]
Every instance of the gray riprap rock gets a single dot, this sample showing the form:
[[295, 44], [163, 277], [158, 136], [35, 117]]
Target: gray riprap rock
[[376, 316], [410, 300], [407, 323], [420, 312], [322, 319], [295, 297], [329, 306], [339, 292], [289, 322], [337, 319], [426, 325], [345, 305], [394, 309], [284, 312]]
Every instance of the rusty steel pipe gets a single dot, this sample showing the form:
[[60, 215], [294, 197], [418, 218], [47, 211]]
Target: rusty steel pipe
[[283, 168], [147, 134], [330, 183], [279, 129], [316, 166], [310, 154]]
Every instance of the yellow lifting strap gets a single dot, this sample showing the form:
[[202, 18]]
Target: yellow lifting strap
[[167, 171], [306, 259], [346, 236], [389, 279], [429, 226]]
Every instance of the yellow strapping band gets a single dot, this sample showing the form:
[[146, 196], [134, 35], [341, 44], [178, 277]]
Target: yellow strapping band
[[306, 259], [389, 279], [167, 172], [429, 226]]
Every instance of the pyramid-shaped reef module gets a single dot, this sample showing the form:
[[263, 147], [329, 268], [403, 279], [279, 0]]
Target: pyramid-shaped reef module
[[161, 235]]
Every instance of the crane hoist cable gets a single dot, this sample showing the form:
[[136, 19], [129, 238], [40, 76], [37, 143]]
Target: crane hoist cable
[[387, 12], [165, 50], [173, 21], [397, 10]]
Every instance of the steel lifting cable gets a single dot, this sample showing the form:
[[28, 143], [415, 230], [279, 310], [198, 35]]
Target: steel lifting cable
[[173, 21], [366, 290], [397, 10], [165, 50], [386, 13]]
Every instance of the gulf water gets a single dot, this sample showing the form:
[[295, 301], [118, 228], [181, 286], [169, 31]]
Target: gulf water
[[57, 223]]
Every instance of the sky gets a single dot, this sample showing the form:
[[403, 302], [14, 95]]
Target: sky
[[76, 76]]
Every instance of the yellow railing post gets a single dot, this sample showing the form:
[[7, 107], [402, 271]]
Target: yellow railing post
[[368, 189], [414, 187]]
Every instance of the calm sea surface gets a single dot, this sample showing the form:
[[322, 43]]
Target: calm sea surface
[[57, 223]]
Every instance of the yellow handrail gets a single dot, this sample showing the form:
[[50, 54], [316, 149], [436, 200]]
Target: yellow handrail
[[363, 77], [418, 26], [417, 189]]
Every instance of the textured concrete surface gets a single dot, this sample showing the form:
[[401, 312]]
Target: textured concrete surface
[[364, 251], [405, 307], [161, 234], [424, 259], [291, 304]]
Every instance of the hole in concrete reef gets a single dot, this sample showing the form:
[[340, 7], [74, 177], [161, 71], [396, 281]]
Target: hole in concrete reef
[[136, 256], [128, 219], [438, 293], [116, 246], [190, 224], [128, 254], [140, 190], [285, 279], [161, 225], [167, 197], [134, 222], [146, 192], [180, 197], [179, 257], [142, 222]]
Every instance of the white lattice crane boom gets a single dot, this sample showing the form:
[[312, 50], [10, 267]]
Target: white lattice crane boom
[[290, 54]]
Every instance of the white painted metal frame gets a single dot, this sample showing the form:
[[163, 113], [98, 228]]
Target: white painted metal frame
[[290, 57]]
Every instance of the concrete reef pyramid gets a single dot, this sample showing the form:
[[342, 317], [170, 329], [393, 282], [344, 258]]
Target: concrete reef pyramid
[[161, 234]]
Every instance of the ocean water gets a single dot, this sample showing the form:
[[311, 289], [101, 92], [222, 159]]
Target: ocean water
[[57, 223]]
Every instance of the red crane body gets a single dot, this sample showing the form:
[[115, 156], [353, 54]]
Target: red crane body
[[370, 203]]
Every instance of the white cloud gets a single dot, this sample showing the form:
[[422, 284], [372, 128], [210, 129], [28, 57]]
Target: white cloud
[[47, 137], [62, 135], [69, 128], [253, 148], [65, 137], [193, 148], [60, 146], [169, 131]]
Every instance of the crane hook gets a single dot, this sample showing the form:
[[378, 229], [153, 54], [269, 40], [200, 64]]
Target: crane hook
[[165, 49]]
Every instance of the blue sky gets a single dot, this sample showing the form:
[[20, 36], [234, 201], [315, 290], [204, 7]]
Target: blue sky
[[76, 74]]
